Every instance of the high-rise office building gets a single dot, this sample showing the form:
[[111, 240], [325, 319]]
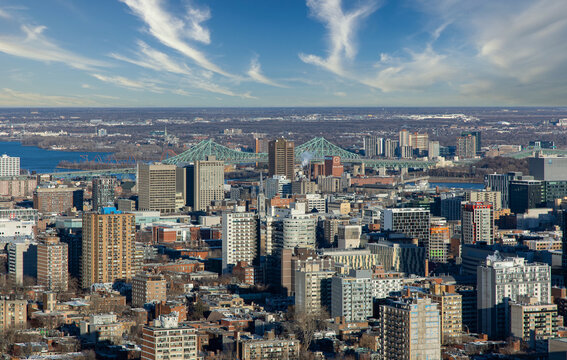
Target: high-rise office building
[[52, 264], [548, 168], [240, 240], [501, 183], [373, 146], [156, 187], [439, 240], [477, 224], [108, 246], [333, 166], [148, 288], [410, 329], [466, 147], [501, 281], [165, 338], [9, 166], [103, 192], [433, 149], [205, 183], [413, 222], [405, 258], [281, 158], [419, 142], [351, 296], [526, 194]]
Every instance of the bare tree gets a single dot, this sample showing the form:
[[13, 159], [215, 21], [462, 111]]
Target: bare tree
[[306, 324]]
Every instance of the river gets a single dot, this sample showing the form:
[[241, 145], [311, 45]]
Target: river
[[40, 160]]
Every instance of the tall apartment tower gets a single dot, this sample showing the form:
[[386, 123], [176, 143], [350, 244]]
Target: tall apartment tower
[[103, 192], [351, 296], [439, 240], [413, 222], [205, 183], [240, 240], [419, 142], [108, 246], [281, 158], [373, 146], [312, 289], [156, 187], [466, 147], [52, 264], [493, 197], [22, 260], [502, 281], [410, 329], [404, 138], [477, 224], [391, 148], [9, 166], [167, 339]]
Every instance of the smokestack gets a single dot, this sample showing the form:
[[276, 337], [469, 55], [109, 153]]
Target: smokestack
[[426, 267]]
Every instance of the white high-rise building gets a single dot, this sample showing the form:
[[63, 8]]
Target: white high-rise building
[[501, 281], [205, 183], [239, 238], [351, 296], [9, 166], [373, 146]]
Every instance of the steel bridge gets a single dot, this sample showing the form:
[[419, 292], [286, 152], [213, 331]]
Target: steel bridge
[[313, 150]]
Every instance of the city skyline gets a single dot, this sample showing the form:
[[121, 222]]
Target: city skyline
[[282, 53]]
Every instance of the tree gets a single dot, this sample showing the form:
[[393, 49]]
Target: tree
[[196, 310], [306, 324]]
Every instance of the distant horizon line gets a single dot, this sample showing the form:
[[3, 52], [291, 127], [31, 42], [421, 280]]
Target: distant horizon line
[[292, 107]]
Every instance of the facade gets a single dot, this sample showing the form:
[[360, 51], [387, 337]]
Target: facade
[[349, 236], [493, 197], [450, 309], [52, 264], [148, 288], [13, 313], [156, 187], [413, 222], [281, 158], [205, 183], [351, 296], [548, 168], [267, 349], [333, 166], [533, 322], [501, 281], [57, 200], [477, 223], [439, 240], [107, 247], [433, 150], [501, 183], [240, 240], [167, 339], [15, 229], [477, 139], [466, 147], [313, 289], [410, 329], [382, 287], [353, 258], [22, 260], [373, 146], [391, 148], [419, 142], [405, 258], [9, 166], [18, 186], [525, 194], [103, 192], [403, 138]]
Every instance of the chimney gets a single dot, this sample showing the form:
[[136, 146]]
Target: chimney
[[426, 267]]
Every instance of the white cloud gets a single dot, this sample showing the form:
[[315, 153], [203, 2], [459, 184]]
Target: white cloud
[[36, 46], [127, 83], [153, 59], [85, 86], [4, 14], [173, 32], [255, 73], [10, 97], [196, 31], [341, 27]]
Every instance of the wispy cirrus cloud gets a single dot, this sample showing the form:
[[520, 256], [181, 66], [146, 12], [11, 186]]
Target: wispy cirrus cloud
[[33, 44], [151, 58], [341, 27], [174, 32], [4, 14], [11, 97], [255, 73], [128, 83]]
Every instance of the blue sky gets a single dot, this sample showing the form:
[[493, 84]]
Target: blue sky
[[283, 52]]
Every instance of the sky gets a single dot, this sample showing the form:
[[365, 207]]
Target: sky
[[241, 53]]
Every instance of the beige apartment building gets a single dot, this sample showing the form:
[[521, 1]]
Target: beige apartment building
[[147, 288], [52, 264]]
